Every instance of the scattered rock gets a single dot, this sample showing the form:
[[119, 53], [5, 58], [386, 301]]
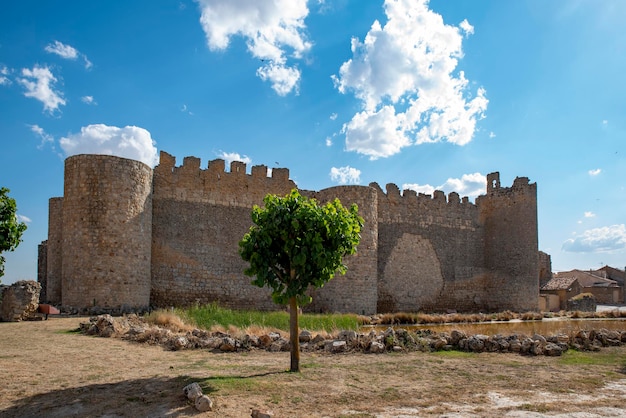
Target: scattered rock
[[261, 414], [192, 391], [204, 403]]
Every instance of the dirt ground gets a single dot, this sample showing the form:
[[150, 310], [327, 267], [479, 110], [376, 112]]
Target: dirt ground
[[48, 371]]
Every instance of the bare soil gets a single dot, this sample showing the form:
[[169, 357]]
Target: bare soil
[[48, 371]]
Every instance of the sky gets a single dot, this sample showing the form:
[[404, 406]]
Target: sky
[[428, 95]]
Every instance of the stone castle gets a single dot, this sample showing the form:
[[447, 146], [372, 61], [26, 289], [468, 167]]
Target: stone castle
[[125, 236]]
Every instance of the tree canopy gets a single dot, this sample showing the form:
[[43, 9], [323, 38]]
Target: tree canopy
[[294, 244], [11, 229]]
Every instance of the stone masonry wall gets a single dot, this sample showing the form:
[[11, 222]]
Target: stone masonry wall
[[509, 215], [107, 229], [424, 243], [356, 291], [126, 235], [199, 217], [54, 262]]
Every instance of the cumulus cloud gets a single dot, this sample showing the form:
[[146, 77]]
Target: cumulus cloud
[[594, 172], [67, 52], [605, 239], [229, 157], [128, 142], [404, 73], [589, 215], [345, 175], [470, 185], [39, 84], [273, 30]]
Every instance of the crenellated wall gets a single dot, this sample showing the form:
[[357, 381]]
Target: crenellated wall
[[199, 217], [126, 235]]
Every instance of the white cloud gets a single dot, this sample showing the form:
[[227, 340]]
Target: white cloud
[[45, 137], [62, 50], [492, 135], [128, 142], [404, 75], [605, 239], [589, 215], [466, 27], [23, 218], [4, 72], [329, 141], [39, 84], [470, 185], [273, 29], [229, 157], [333, 116], [345, 175], [88, 100], [594, 172], [67, 52], [605, 122]]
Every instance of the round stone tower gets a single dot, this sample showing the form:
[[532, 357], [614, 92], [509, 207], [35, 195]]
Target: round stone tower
[[107, 232]]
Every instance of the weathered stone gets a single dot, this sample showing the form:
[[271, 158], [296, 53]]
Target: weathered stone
[[552, 349], [376, 347], [204, 403], [256, 413], [456, 336], [229, 344], [438, 343], [192, 391], [336, 346], [347, 336], [19, 301], [180, 343], [305, 336], [476, 343]]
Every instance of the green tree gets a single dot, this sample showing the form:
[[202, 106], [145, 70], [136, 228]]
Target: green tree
[[11, 229], [296, 243]]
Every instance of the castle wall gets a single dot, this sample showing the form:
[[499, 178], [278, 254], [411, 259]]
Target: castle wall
[[425, 243], [124, 235], [54, 256], [356, 291], [107, 229], [199, 217]]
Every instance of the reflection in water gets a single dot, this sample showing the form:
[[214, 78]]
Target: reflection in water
[[545, 327]]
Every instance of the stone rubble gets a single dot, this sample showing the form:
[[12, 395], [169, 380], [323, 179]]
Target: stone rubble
[[193, 392], [19, 301], [133, 328]]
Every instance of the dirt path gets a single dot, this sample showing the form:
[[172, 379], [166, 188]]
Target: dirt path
[[47, 371]]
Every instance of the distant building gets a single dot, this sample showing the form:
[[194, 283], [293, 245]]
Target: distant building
[[605, 290]]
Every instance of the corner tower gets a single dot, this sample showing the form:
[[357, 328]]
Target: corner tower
[[106, 230], [509, 217]]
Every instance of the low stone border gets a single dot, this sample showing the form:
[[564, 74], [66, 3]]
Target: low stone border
[[133, 328]]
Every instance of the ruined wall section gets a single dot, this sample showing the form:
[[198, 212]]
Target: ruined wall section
[[356, 291], [54, 256], [107, 228], [509, 215], [199, 217], [425, 242]]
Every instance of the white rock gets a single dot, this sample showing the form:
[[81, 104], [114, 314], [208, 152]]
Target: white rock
[[192, 391]]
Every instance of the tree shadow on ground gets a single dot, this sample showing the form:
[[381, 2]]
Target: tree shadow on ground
[[150, 397]]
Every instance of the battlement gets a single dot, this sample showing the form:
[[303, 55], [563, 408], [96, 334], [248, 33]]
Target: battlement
[[409, 196], [216, 185]]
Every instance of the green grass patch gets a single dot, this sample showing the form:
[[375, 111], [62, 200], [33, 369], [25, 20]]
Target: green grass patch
[[211, 315], [595, 358]]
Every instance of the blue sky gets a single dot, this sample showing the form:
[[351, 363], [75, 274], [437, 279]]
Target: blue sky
[[426, 95]]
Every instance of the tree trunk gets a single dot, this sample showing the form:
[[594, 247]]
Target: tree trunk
[[294, 338]]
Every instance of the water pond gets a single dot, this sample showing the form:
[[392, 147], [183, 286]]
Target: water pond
[[546, 327]]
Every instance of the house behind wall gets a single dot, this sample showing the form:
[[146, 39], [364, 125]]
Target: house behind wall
[[124, 235]]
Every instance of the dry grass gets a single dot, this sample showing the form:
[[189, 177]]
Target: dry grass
[[48, 371]]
